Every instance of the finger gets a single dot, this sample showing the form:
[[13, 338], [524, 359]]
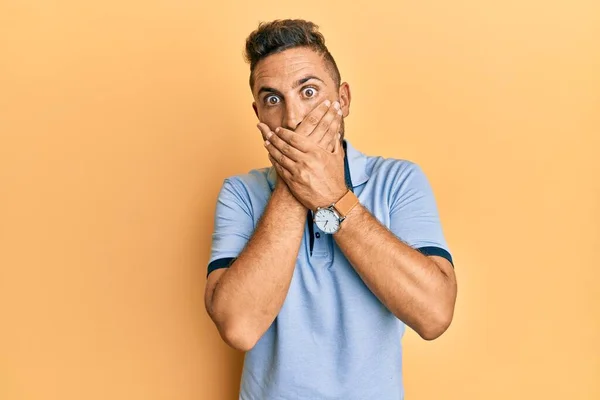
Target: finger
[[333, 130], [281, 171], [337, 144], [331, 145], [298, 142], [264, 130], [311, 120], [278, 156], [285, 146], [323, 126]]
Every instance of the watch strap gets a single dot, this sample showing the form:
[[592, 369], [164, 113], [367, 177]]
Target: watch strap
[[346, 204]]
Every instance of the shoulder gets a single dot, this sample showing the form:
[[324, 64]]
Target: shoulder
[[256, 179], [396, 173], [249, 190]]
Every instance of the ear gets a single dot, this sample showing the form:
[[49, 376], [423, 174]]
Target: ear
[[255, 109], [345, 98]]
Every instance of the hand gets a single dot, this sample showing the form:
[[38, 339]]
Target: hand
[[314, 175], [322, 125]]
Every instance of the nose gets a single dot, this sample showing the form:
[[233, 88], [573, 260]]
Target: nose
[[292, 116]]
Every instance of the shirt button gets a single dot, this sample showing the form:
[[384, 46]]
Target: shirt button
[[318, 235]]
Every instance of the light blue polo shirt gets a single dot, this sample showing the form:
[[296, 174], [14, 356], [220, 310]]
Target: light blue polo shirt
[[332, 339]]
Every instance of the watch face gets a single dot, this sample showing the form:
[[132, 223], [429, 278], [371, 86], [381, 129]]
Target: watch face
[[327, 220]]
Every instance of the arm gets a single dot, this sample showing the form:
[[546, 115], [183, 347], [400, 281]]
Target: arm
[[419, 290], [244, 299]]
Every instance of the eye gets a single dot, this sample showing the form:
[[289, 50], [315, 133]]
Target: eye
[[309, 92], [272, 100]]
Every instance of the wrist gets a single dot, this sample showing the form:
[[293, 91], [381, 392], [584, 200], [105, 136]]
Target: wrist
[[283, 194], [352, 218], [338, 195], [331, 199], [330, 219]]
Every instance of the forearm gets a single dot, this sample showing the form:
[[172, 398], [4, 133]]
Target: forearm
[[407, 282], [249, 295]]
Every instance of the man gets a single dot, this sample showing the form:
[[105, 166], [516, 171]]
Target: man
[[319, 261]]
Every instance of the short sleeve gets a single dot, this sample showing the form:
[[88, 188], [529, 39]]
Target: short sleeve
[[233, 225], [414, 217]]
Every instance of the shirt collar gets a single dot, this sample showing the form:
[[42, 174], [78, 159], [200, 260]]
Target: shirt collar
[[355, 170]]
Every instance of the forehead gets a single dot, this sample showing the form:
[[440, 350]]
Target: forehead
[[283, 69]]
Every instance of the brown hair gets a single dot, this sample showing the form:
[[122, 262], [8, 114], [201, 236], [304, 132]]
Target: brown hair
[[279, 35]]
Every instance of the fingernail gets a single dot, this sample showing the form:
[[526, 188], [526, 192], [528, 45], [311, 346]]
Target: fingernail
[[327, 103], [269, 134], [340, 112], [277, 130], [339, 136], [336, 105], [267, 143]]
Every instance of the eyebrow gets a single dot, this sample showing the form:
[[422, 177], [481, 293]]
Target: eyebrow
[[298, 83]]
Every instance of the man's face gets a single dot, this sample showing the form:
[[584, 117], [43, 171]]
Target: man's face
[[290, 84]]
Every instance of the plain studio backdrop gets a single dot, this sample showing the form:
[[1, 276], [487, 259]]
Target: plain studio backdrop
[[119, 121]]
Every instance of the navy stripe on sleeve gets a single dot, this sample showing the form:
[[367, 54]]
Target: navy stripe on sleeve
[[436, 251], [220, 263]]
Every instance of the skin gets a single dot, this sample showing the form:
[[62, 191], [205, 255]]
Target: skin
[[303, 134]]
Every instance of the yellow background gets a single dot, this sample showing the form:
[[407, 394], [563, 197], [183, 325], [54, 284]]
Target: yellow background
[[120, 120]]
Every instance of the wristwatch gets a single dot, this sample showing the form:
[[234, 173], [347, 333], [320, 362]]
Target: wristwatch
[[328, 219]]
